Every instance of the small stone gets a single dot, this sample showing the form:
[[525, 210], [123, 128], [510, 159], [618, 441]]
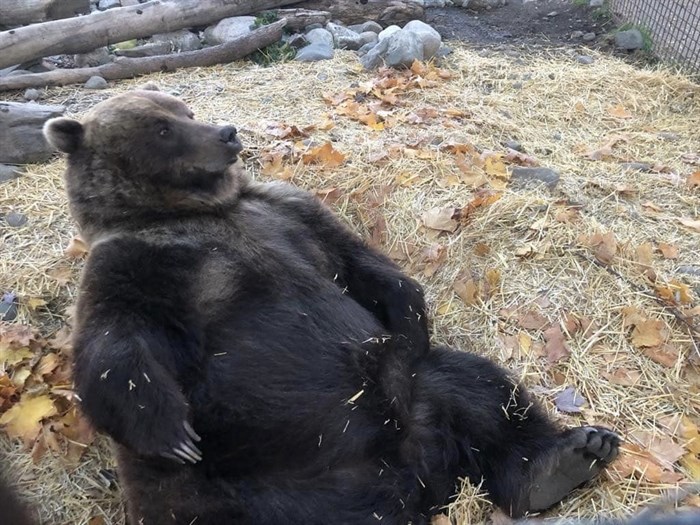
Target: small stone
[[629, 40], [8, 172], [95, 82], [15, 219], [552, 14], [386, 33], [557, 135], [366, 48], [229, 29], [182, 40], [576, 35], [320, 36], [596, 3], [668, 135], [636, 166], [588, 37], [32, 94], [322, 76], [584, 59], [513, 144], [314, 52], [517, 85], [98, 57], [522, 176], [103, 5], [297, 41], [370, 26], [444, 51], [351, 42], [689, 270], [313, 26], [8, 307]]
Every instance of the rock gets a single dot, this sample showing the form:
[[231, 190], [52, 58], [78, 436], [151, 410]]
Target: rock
[[15, 219], [21, 137], [404, 47], [95, 82], [513, 144], [428, 36], [689, 270], [343, 36], [297, 41], [8, 172], [98, 57], [314, 52], [129, 3], [636, 166], [182, 40], [386, 33], [8, 307], [103, 5], [588, 37], [552, 14], [596, 3], [576, 35], [444, 51], [366, 49], [584, 59], [629, 40], [320, 36], [368, 37], [375, 56], [522, 177], [367, 26], [32, 94], [668, 135], [313, 26], [147, 50], [228, 29]]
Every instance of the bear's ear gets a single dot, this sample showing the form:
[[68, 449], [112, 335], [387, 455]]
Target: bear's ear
[[64, 134]]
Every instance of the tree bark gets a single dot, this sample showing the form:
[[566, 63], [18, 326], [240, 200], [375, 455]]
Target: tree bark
[[386, 12], [19, 12], [83, 34], [21, 138], [298, 19], [124, 67]]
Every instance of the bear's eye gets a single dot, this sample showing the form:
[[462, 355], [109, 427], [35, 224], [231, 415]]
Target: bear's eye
[[164, 131]]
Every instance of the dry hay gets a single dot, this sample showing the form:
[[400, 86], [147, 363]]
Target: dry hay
[[529, 241]]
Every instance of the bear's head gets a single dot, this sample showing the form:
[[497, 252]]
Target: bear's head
[[142, 152]]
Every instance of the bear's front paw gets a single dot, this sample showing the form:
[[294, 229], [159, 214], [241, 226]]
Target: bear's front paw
[[182, 448]]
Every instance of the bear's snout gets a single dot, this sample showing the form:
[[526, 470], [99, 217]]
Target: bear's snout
[[228, 134]]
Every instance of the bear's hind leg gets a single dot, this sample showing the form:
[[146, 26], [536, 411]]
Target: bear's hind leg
[[468, 418]]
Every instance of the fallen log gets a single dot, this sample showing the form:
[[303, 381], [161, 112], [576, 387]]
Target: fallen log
[[21, 137], [124, 67], [386, 12], [298, 19], [85, 33], [19, 12]]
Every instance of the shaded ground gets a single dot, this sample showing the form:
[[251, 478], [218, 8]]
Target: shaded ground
[[536, 22]]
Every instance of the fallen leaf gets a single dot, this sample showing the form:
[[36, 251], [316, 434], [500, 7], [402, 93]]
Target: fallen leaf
[[555, 347], [281, 130], [645, 259], [434, 256], [694, 180], [569, 401], [665, 354], [23, 420], [325, 155], [62, 276], [440, 219], [623, 377], [604, 246], [693, 224], [47, 364], [649, 333], [691, 463], [76, 248], [618, 111], [669, 251], [663, 448], [468, 290], [34, 302], [481, 199], [674, 292], [637, 462], [532, 320], [691, 158], [481, 249], [12, 356], [493, 279]]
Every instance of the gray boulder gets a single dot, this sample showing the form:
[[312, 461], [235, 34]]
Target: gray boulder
[[315, 52], [416, 41], [95, 82], [386, 33], [320, 36], [182, 40], [367, 26], [429, 37], [522, 177], [228, 29], [21, 137], [630, 40], [97, 57], [404, 47]]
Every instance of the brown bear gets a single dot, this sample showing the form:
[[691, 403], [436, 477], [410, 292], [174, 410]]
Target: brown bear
[[257, 363]]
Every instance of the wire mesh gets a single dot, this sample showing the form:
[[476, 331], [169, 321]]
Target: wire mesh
[[672, 27]]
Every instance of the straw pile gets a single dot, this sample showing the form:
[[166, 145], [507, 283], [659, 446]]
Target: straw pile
[[524, 254]]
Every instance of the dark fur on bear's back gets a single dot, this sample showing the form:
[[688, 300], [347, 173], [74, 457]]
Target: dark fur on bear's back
[[300, 356]]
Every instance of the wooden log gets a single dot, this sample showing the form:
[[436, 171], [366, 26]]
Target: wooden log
[[19, 12], [385, 12], [298, 19], [85, 33], [21, 137], [124, 67]]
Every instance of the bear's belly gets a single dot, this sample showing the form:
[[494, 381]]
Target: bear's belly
[[286, 382]]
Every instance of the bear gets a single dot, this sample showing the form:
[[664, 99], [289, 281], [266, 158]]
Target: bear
[[256, 362]]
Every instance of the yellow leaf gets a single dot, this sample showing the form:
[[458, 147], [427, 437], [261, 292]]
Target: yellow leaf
[[619, 111], [468, 291], [525, 342], [34, 302], [495, 167], [12, 356], [444, 308], [691, 463], [24, 419], [326, 155], [493, 277]]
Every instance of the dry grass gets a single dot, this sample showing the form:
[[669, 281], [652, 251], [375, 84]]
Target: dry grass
[[560, 110]]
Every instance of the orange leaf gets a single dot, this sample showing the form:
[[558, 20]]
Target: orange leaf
[[669, 251], [619, 111], [76, 248], [532, 320], [440, 219], [325, 155], [24, 419], [694, 180], [468, 291], [648, 333], [623, 377], [555, 344]]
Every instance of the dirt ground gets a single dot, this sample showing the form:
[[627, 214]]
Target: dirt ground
[[538, 22]]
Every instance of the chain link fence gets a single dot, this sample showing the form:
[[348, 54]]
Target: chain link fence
[[673, 27]]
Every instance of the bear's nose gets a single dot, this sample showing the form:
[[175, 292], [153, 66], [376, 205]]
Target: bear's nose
[[228, 134]]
